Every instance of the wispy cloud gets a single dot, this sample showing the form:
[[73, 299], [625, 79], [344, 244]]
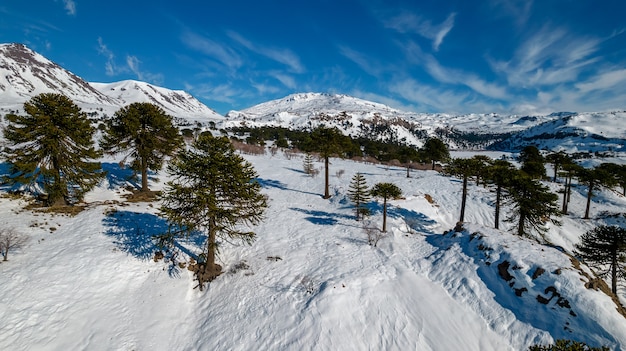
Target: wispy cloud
[[132, 65], [285, 79], [283, 56], [225, 93], [549, 56], [603, 81], [519, 10], [110, 68], [412, 23], [429, 98], [366, 63], [221, 53], [70, 7], [454, 76]]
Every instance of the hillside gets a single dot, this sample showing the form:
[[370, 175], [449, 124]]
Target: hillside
[[310, 280], [25, 73]]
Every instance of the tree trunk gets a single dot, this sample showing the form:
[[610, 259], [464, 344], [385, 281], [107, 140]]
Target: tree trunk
[[384, 215], [433, 165], [520, 225], [326, 192], [498, 195], [564, 207], [589, 194], [614, 272], [144, 175], [463, 199], [408, 175]]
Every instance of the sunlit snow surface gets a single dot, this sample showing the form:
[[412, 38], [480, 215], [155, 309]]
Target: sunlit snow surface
[[310, 281]]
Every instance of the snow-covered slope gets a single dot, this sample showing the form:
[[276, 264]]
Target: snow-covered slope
[[175, 102], [25, 73], [558, 131], [310, 281], [583, 132]]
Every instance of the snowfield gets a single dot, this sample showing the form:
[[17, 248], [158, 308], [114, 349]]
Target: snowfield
[[310, 281]]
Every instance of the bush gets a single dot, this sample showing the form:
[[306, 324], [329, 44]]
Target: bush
[[567, 345]]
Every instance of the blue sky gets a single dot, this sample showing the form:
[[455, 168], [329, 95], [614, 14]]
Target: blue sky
[[458, 56]]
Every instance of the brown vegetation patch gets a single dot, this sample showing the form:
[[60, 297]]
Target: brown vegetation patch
[[503, 271], [429, 199], [58, 209], [141, 196], [538, 272], [597, 283]]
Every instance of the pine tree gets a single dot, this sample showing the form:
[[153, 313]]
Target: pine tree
[[499, 173], [435, 150], [386, 191], [147, 133], [359, 194], [605, 246], [52, 148], [558, 159], [213, 191], [533, 163], [533, 205], [597, 177], [328, 142], [618, 172], [307, 164], [462, 168]]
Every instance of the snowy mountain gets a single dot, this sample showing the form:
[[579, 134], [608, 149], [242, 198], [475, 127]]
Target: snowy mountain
[[558, 131], [25, 73], [178, 103]]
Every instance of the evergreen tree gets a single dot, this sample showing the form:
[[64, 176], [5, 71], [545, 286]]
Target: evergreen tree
[[618, 172], [52, 148], [147, 133], [435, 150], [481, 162], [407, 155], [386, 191], [605, 246], [532, 162], [533, 205], [567, 345], [328, 142], [307, 164], [558, 159], [597, 177], [499, 173], [359, 194], [213, 191], [569, 171], [462, 168]]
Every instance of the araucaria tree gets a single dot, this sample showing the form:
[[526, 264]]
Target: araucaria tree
[[597, 177], [462, 168], [386, 191], [604, 248], [213, 191], [435, 150], [499, 173], [146, 133], [533, 205], [533, 163], [359, 194], [328, 142], [52, 149]]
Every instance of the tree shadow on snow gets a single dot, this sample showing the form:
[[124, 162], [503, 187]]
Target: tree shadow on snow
[[122, 176], [416, 221], [135, 233], [321, 217], [271, 183]]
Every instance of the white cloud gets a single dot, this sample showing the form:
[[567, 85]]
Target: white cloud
[[519, 10], [225, 55], [70, 7], [284, 56], [412, 23], [110, 67], [361, 60], [549, 56], [285, 79], [133, 64], [603, 81]]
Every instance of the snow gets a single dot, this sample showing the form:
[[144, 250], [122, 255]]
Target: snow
[[310, 281]]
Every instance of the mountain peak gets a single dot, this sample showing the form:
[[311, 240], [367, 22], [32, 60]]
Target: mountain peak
[[24, 73]]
